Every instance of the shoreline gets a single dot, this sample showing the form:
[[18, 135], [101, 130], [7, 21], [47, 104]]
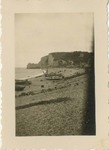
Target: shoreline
[[30, 77], [40, 83], [39, 75]]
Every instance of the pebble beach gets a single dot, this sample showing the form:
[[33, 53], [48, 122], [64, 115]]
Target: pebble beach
[[57, 107]]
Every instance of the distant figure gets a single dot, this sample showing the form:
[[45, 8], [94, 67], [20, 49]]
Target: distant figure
[[47, 71]]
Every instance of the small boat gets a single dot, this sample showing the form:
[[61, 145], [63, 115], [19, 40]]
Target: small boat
[[22, 82], [19, 87], [54, 77]]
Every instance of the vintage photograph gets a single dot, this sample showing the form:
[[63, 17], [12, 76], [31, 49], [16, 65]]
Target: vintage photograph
[[54, 74]]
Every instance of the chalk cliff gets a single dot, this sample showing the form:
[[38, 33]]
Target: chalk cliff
[[64, 59]]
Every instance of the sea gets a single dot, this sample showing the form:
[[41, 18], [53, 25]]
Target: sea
[[23, 73]]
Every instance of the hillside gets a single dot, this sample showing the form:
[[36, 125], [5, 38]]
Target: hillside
[[65, 59]]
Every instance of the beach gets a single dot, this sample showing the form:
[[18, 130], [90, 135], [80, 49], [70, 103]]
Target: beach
[[57, 107]]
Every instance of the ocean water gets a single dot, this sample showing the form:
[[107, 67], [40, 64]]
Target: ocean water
[[23, 73]]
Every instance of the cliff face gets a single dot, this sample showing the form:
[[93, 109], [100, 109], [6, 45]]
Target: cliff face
[[43, 62], [64, 59], [32, 66]]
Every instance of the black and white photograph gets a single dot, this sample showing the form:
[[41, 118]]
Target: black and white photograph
[[55, 74]]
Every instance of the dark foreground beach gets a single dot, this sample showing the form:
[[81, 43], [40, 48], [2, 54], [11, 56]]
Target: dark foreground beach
[[57, 107]]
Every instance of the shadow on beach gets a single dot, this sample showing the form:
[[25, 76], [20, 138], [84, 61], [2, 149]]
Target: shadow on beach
[[89, 117]]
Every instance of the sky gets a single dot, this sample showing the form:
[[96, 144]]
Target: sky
[[39, 34]]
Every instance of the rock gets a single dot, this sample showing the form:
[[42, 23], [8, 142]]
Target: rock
[[42, 86]]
